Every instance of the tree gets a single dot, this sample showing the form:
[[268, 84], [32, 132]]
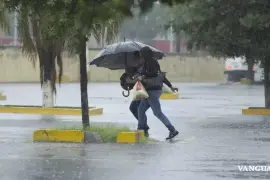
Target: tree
[[91, 18], [145, 26], [175, 23], [231, 28], [257, 20], [147, 5], [242, 26], [57, 24], [41, 27], [216, 26], [4, 24], [107, 32]]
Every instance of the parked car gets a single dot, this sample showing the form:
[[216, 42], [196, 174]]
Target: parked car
[[237, 68]]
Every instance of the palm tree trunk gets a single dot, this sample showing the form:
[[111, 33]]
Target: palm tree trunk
[[47, 89], [83, 83], [47, 93]]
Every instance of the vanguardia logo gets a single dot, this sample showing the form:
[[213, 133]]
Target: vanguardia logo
[[254, 168]]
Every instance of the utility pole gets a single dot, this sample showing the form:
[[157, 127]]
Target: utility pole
[[171, 34], [15, 35]]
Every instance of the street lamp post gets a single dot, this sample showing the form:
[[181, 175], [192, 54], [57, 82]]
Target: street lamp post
[[15, 35]]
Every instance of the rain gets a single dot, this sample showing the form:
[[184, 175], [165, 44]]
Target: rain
[[217, 57]]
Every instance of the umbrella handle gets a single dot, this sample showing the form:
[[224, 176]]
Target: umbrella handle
[[123, 93], [128, 93]]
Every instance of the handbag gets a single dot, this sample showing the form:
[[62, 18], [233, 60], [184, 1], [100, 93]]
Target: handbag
[[154, 81]]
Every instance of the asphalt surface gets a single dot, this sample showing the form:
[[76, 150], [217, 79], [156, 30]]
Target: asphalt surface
[[215, 138]]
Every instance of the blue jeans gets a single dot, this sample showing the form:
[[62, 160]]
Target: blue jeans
[[154, 103], [134, 105]]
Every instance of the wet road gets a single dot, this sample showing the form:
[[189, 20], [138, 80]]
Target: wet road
[[217, 138]]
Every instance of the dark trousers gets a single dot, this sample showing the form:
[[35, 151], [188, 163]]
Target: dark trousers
[[154, 103], [134, 110]]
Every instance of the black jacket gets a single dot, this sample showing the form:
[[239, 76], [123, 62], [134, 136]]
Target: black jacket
[[151, 67]]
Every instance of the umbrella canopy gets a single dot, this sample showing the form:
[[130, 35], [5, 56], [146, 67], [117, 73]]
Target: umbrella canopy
[[121, 55]]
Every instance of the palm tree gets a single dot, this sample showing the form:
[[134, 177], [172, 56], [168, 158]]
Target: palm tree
[[109, 30], [43, 39], [4, 25], [45, 27], [39, 45], [4, 20], [106, 24]]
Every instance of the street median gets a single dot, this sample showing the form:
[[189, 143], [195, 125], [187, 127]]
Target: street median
[[256, 111], [58, 110], [93, 134]]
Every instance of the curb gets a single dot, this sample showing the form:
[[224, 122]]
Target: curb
[[256, 111], [130, 137], [73, 111], [169, 96], [67, 136], [245, 81]]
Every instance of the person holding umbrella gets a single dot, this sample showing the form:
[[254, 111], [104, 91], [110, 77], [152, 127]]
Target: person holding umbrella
[[152, 78], [128, 85], [134, 105], [119, 56]]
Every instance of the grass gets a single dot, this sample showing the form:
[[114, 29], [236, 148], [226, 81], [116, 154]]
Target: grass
[[107, 132]]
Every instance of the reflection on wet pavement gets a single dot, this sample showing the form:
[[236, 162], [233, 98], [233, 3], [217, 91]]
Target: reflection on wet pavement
[[214, 137]]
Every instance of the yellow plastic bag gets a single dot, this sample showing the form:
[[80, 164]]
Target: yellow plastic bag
[[139, 92]]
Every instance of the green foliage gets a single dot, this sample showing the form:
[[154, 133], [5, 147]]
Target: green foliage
[[4, 24], [148, 5], [225, 28], [99, 19], [46, 26], [42, 30], [108, 132], [146, 26]]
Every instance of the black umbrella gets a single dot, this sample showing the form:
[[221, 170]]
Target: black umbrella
[[121, 55]]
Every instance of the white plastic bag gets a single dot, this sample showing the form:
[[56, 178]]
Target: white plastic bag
[[139, 92], [167, 90]]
